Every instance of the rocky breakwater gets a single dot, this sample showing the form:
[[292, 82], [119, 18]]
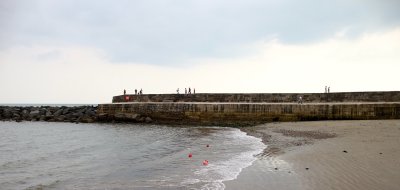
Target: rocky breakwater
[[79, 114]]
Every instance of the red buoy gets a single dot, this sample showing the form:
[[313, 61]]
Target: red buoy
[[190, 155], [205, 162]]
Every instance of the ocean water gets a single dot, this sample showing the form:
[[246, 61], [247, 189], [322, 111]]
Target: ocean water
[[40, 155]]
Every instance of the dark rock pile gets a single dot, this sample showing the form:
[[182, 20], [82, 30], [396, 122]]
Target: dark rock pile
[[81, 114], [124, 117]]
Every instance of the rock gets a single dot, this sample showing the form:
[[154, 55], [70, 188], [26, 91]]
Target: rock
[[25, 112], [48, 114], [58, 112], [42, 118], [34, 113], [7, 113], [59, 118], [42, 111], [119, 116], [65, 111], [86, 119], [90, 112], [140, 119], [15, 115], [102, 116], [345, 151], [148, 120], [78, 114], [132, 116]]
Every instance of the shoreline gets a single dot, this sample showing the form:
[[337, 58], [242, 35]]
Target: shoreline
[[356, 154]]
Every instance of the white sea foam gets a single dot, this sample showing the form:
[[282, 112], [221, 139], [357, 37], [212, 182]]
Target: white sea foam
[[230, 166]]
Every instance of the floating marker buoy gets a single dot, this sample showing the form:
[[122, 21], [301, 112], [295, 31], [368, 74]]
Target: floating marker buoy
[[190, 155], [207, 145], [205, 162]]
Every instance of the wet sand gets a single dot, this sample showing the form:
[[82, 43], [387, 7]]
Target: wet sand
[[325, 155]]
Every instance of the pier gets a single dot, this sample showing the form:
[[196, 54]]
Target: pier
[[251, 109]]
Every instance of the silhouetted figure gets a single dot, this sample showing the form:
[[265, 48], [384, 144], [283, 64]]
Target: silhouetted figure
[[177, 91], [141, 92], [189, 91], [329, 89], [185, 91], [135, 91], [124, 91], [326, 89], [300, 100], [194, 91]]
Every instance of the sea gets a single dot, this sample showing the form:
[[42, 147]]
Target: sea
[[49, 155]]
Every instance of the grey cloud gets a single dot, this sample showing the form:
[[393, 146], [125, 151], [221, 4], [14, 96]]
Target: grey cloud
[[170, 31]]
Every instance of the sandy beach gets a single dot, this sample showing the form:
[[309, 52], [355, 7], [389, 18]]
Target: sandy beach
[[325, 155]]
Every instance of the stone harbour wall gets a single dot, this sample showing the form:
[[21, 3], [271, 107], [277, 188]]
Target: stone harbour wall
[[384, 96], [241, 114]]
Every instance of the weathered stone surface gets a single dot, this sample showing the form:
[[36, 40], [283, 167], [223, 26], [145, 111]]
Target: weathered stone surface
[[385, 96], [248, 113]]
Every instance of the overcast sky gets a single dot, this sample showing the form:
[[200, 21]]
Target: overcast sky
[[86, 51]]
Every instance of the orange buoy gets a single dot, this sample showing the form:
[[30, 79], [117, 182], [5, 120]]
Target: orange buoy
[[205, 162], [190, 155]]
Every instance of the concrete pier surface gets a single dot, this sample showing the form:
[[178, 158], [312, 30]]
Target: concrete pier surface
[[223, 111]]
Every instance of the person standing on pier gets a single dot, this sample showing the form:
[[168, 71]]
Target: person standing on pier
[[185, 91], [326, 89], [124, 92], [300, 101], [135, 91], [141, 92], [189, 91], [194, 91], [329, 89], [177, 91]]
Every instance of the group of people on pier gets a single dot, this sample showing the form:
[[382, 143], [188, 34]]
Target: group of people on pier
[[140, 92], [187, 91], [327, 89]]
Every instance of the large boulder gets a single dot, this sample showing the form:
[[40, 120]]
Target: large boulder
[[90, 112], [58, 112], [48, 114], [7, 113], [85, 119], [34, 113], [59, 118], [148, 120], [66, 110], [132, 116]]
